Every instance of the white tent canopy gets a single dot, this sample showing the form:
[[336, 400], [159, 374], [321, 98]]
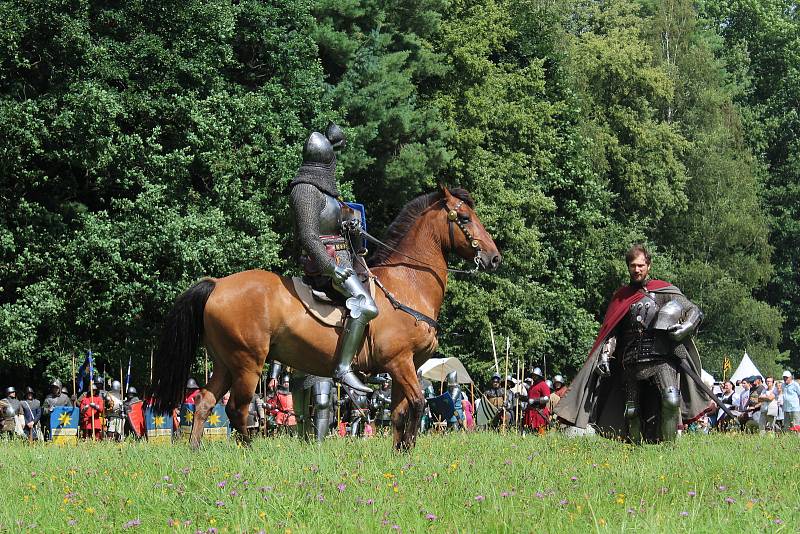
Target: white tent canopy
[[437, 369], [707, 378], [745, 369]]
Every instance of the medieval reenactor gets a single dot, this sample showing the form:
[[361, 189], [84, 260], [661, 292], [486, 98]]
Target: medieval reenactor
[[54, 399], [285, 419], [115, 417], [313, 399], [192, 388], [326, 227], [32, 412], [498, 397], [428, 392], [255, 415], [92, 408], [643, 356], [537, 416], [454, 390], [358, 415], [382, 403], [11, 412], [134, 413]]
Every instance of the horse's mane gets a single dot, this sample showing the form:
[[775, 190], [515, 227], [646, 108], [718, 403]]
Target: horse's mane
[[408, 216]]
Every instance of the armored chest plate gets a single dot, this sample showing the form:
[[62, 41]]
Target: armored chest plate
[[330, 218], [643, 313]]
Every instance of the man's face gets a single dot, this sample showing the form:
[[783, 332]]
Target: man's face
[[787, 379], [726, 386], [638, 268], [495, 383], [769, 382], [745, 384], [55, 390]]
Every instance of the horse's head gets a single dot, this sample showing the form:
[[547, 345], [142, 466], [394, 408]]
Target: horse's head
[[462, 231]]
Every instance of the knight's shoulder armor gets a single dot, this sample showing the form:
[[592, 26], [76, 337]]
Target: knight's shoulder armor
[[318, 150]]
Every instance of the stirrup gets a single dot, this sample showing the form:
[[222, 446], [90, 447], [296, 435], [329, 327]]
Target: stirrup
[[349, 379]]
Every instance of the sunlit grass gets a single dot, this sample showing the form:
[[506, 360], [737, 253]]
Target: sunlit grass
[[480, 482]]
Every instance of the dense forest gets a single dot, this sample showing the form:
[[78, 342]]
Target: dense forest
[[146, 144]]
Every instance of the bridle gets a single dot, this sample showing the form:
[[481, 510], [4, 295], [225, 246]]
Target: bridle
[[452, 217]]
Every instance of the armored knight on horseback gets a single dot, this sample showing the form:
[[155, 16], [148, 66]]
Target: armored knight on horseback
[[324, 231]]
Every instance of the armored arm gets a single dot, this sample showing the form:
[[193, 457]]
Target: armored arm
[[691, 321], [604, 360], [274, 373]]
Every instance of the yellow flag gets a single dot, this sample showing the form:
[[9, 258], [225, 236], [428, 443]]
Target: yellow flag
[[726, 364]]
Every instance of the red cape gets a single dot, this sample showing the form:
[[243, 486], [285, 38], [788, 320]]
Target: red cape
[[619, 306]]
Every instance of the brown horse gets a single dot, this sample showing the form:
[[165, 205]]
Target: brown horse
[[247, 317]]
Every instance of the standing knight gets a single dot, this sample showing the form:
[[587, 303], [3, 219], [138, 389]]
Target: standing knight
[[11, 413], [54, 399], [382, 403], [115, 415], [313, 398], [427, 391], [639, 356], [326, 233], [498, 397], [454, 390]]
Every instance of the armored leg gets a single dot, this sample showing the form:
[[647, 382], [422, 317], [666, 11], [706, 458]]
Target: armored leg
[[323, 411], [667, 381], [632, 414], [362, 310]]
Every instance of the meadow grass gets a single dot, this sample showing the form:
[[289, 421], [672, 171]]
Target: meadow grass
[[480, 482]]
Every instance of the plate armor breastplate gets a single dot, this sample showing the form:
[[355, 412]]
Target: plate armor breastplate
[[330, 218], [642, 343]]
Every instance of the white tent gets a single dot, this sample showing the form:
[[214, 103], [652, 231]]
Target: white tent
[[707, 378], [745, 369], [437, 369]]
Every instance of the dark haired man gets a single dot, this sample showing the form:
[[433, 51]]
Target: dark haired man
[[635, 362]]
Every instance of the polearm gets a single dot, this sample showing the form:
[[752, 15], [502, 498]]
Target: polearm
[[516, 401], [494, 350], [205, 364], [91, 392], [74, 388], [123, 391], [505, 376]]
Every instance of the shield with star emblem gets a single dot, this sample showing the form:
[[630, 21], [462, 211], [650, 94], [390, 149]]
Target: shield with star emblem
[[64, 425], [186, 420], [217, 425], [159, 426]]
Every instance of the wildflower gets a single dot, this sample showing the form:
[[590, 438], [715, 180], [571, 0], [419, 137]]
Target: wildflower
[[430, 517], [480, 498], [341, 486], [684, 513], [729, 500], [539, 495], [563, 502], [132, 523], [396, 527], [237, 476], [185, 470], [234, 493], [72, 522], [722, 488], [504, 494], [321, 498], [663, 491], [33, 474], [507, 462], [222, 483], [574, 479], [212, 530], [166, 478], [369, 501], [173, 522], [631, 511], [220, 504], [778, 521], [691, 493]]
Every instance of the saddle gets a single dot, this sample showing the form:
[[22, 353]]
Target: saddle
[[322, 301]]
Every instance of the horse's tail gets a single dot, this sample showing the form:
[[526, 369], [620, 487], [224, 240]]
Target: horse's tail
[[177, 347]]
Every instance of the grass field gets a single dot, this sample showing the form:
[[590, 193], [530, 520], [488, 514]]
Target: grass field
[[481, 482]]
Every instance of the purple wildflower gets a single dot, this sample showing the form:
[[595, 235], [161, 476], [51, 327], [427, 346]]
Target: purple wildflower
[[341, 486], [237, 476], [505, 494], [222, 483], [72, 522], [730, 500], [234, 493], [480, 498], [166, 478], [33, 474], [186, 470], [563, 502], [219, 504], [539, 495], [132, 523], [212, 530], [778, 521], [691, 493], [574, 479], [684, 514], [369, 501], [722, 488], [321, 497], [430, 517]]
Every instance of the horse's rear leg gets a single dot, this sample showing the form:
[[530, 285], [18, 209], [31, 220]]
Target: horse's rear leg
[[410, 405], [219, 383], [239, 403]]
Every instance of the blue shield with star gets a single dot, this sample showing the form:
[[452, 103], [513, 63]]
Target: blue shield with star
[[158, 425], [217, 426], [64, 425]]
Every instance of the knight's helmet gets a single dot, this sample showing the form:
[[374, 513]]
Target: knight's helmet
[[116, 386], [452, 379], [56, 384], [10, 390], [670, 314], [549, 383], [285, 378], [132, 392], [558, 379], [538, 372], [335, 135], [192, 384]]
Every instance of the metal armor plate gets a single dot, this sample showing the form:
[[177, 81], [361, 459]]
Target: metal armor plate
[[330, 218]]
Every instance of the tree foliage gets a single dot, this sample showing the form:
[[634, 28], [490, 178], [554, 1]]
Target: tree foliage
[[144, 146]]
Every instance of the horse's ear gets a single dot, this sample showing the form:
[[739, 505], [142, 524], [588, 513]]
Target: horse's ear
[[444, 190]]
